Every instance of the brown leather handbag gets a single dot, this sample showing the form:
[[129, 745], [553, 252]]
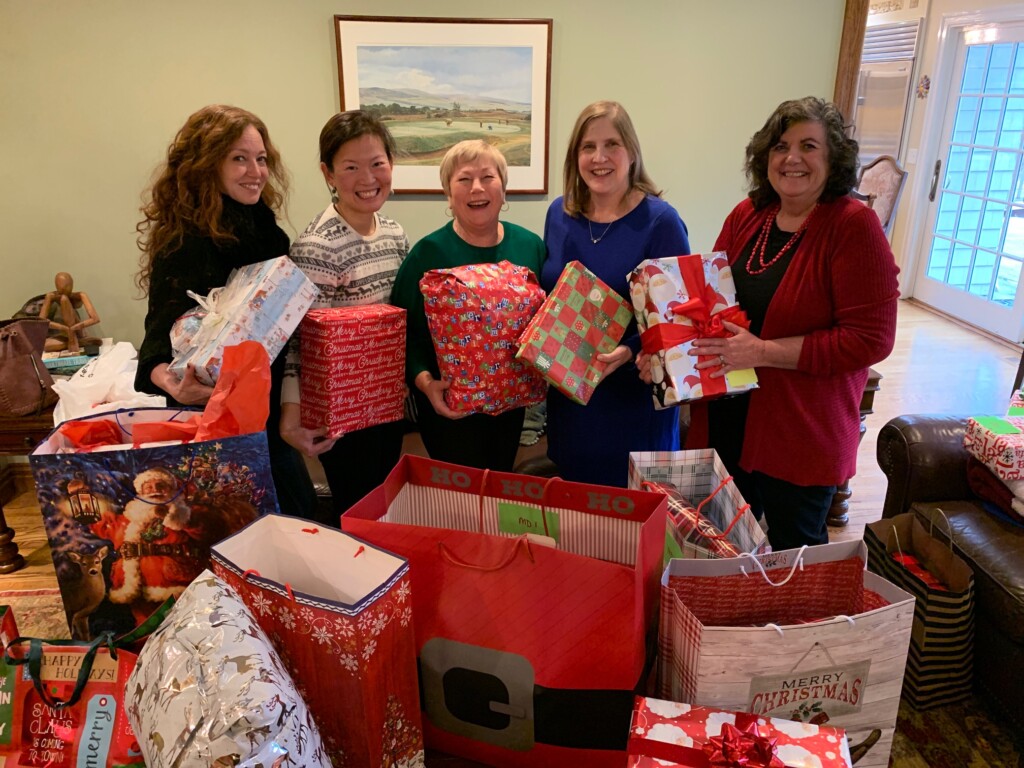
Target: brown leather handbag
[[26, 386]]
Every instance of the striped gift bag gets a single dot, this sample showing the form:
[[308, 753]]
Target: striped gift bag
[[940, 666], [531, 602]]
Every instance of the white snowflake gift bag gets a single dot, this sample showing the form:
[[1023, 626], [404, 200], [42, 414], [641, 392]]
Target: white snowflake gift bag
[[339, 611], [209, 689]]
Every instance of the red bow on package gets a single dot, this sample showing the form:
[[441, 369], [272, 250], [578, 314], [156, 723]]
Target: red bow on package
[[742, 748], [703, 323]]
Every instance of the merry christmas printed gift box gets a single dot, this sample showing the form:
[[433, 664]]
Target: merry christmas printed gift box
[[666, 733], [679, 299], [261, 302], [1016, 404], [581, 318], [476, 315], [353, 367], [998, 443]]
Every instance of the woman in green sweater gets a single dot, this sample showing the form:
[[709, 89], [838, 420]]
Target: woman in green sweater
[[474, 176]]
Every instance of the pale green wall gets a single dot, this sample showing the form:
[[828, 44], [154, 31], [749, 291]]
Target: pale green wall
[[91, 94]]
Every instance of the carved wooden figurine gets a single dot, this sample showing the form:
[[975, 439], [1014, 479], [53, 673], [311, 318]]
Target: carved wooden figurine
[[63, 308]]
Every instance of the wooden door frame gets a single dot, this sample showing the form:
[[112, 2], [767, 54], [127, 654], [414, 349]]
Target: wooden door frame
[[855, 20]]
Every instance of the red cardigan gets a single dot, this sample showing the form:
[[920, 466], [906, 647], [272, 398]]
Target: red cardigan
[[839, 292]]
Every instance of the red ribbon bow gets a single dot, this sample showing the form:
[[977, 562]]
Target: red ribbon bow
[[742, 748]]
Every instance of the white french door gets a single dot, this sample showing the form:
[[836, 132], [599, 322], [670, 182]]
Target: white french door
[[969, 262]]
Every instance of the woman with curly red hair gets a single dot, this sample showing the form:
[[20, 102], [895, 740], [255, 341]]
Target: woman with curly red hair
[[213, 208]]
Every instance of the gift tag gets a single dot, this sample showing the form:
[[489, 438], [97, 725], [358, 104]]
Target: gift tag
[[521, 518]]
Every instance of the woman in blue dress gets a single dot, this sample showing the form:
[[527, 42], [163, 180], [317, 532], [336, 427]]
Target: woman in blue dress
[[610, 218]]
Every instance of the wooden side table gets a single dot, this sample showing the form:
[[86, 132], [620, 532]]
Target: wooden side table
[[18, 436], [838, 513]]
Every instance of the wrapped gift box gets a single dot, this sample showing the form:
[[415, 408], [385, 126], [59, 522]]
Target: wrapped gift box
[[261, 302], [664, 733], [353, 367], [998, 443], [476, 315], [1016, 404], [677, 300], [581, 318]]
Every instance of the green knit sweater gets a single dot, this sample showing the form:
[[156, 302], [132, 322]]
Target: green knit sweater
[[443, 249]]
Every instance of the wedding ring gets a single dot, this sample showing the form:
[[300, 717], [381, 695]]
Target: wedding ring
[[721, 359]]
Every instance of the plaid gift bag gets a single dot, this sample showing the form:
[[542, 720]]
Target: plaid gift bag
[[581, 318], [476, 314], [718, 523]]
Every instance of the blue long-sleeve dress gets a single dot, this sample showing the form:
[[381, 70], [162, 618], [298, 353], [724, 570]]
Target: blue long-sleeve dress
[[591, 443]]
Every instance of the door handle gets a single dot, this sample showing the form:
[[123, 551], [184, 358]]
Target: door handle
[[935, 181]]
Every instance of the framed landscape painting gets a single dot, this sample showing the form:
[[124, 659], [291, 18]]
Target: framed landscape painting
[[435, 82]]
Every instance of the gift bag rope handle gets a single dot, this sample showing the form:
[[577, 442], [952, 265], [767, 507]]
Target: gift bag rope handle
[[253, 572], [724, 535], [799, 562], [453, 559], [34, 659], [949, 527]]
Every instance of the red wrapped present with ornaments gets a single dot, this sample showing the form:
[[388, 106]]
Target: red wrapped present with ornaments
[[665, 734], [998, 443], [581, 319], [476, 315], [677, 300], [353, 367]]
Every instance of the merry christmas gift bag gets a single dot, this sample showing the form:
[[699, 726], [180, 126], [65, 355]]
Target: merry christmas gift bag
[[679, 299], [532, 606], [803, 634], [476, 315], [581, 318], [353, 367], [339, 612], [131, 526], [708, 517]]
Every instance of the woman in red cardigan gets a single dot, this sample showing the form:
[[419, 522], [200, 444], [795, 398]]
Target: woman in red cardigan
[[816, 276]]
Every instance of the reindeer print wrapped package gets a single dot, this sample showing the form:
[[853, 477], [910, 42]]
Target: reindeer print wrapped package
[[209, 689], [132, 526]]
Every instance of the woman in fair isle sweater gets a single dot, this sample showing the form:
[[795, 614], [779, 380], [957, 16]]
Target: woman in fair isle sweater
[[352, 254]]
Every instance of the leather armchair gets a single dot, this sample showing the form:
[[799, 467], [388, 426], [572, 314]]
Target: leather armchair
[[926, 465]]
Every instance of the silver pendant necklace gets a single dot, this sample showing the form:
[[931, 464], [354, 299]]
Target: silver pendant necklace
[[599, 238]]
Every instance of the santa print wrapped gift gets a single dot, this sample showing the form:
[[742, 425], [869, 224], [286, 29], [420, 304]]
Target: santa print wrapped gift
[[581, 318], [998, 443], [261, 302], [665, 733], [679, 299], [353, 367], [476, 315]]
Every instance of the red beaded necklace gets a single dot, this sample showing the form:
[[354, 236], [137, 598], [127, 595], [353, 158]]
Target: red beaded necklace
[[762, 242]]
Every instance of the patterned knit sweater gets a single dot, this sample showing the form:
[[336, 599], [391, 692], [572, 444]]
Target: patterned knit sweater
[[348, 268]]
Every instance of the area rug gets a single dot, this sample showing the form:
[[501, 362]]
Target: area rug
[[37, 612], [964, 735]]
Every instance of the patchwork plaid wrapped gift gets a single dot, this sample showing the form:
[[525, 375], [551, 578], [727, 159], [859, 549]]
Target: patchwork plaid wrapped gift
[[665, 734], [581, 318], [262, 302], [998, 443], [476, 315], [353, 367], [679, 299]]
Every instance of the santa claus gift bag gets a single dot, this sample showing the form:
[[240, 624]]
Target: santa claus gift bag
[[532, 605], [339, 612], [131, 526]]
